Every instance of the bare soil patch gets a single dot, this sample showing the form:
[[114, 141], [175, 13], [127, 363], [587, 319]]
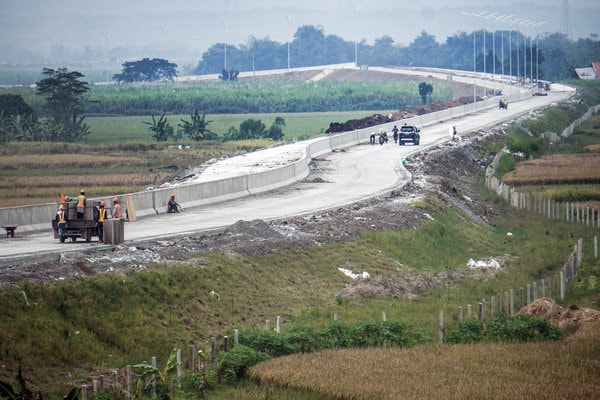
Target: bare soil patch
[[560, 316]]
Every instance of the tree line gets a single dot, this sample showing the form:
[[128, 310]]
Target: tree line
[[556, 55]]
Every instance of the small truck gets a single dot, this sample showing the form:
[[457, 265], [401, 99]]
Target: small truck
[[84, 228]]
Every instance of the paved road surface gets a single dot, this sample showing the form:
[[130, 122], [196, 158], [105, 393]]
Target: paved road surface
[[356, 174]]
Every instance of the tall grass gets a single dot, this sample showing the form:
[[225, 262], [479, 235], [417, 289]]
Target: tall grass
[[551, 370], [556, 169]]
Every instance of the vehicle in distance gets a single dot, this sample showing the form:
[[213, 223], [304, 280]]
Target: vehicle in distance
[[409, 134]]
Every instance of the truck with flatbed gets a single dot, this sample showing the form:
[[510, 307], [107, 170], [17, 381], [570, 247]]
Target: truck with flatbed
[[85, 228]]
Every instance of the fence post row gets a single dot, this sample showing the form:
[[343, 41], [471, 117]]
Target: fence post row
[[506, 303]]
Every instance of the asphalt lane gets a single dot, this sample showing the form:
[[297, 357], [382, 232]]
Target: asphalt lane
[[357, 173]]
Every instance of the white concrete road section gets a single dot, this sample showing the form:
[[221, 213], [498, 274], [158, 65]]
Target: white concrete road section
[[357, 173]]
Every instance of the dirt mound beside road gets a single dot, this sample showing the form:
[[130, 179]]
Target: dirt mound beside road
[[377, 119], [559, 316]]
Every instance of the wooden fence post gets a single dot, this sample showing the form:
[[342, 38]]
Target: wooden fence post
[[84, 392], [202, 369], [543, 282], [460, 314], [469, 311], [562, 284], [512, 302], [155, 366], [484, 312], [236, 337], [116, 379], [383, 316], [492, 307], [522, 297], [441, 326], [191, 355], [213, 351], [535, 291], [499, 300], [179, 372], [278, 328], [129, 381]]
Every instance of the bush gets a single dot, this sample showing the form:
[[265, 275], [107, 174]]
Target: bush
[[469, 331], [269, 342], [521, 328], [506, 163], [233, 364]]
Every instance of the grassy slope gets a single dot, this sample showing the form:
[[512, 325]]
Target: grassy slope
[[110, 321]]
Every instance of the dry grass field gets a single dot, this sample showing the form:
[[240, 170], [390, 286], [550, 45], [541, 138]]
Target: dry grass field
[[556, 169], [567, 369]]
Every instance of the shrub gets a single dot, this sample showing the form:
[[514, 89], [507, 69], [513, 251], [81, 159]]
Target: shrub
[[233, 364], [469, 331], [506, 163], [268, 342], [301, 338], [521, 328]]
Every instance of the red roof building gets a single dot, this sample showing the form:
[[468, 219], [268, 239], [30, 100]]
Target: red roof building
[[596, 67]]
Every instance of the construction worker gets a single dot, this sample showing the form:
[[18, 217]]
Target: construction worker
[[117, 211], [81, 204], [61, 217], [172, 206], [100, 220]]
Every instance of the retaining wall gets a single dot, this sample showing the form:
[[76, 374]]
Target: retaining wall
[[38, 217]]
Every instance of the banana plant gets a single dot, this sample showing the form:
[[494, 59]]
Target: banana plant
[[162, 379]]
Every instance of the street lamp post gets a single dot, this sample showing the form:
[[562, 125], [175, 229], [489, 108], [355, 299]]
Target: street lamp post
[[225, 25], [494, 53], [484, 51], [505, 18], [522, 22], [107, 34], [289, 20], [510, 45], [537, 55], [537, 65], [476, 16]]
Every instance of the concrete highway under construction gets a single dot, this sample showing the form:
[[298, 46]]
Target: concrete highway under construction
[[358, 172]]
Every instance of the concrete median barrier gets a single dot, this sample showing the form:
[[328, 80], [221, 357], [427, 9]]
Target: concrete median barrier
[[147, 203]]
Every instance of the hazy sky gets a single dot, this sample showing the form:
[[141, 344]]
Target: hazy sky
[[193, 26]]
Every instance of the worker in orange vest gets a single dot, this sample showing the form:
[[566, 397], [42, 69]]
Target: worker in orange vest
[[81, 204], [117, 210]]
